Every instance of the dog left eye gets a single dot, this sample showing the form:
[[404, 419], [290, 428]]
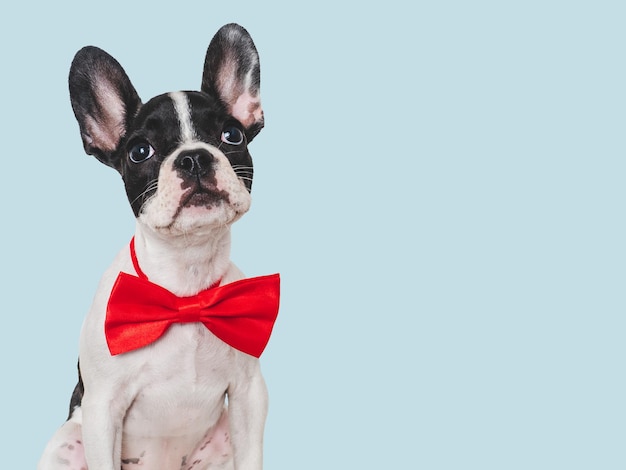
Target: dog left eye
[[140, 152], [232, 136]]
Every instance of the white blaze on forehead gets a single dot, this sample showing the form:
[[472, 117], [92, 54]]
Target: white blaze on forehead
[[183, 111]]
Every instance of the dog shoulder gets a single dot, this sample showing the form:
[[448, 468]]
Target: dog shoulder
[[232, 274]]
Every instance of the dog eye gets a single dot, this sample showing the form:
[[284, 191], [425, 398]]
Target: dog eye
[[140, 152], [232, 135]]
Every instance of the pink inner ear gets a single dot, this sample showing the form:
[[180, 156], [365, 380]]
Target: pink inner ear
[[247, 109], [226, 79], [234, 88], [105, 133]]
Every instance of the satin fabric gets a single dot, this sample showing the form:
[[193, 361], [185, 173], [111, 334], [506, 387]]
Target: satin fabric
[[241, 313]]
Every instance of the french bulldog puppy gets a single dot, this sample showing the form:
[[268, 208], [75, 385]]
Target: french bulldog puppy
[[192, 396]]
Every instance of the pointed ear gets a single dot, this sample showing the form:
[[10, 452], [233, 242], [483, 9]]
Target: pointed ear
[[103, 100], [232, 74]]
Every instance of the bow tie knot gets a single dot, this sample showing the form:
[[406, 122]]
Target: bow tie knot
[[189, 310]]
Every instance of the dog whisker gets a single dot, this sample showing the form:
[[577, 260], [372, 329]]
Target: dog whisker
[[243, 169], [152, 185], [231, 152]]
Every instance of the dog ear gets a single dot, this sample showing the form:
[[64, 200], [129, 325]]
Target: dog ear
[[232, 74], [103, 100]]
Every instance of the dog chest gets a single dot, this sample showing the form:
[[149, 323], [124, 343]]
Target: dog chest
[[183, 381]]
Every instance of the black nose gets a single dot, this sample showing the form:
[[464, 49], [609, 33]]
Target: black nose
[[194, 162]]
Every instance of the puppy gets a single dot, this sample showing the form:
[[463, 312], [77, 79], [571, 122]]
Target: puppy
[[191, 395]]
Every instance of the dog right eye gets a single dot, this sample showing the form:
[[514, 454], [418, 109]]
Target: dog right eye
[[232, 135], [140, 152]]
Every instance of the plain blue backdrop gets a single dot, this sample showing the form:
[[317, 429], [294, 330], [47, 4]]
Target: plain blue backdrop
[[440, 184]]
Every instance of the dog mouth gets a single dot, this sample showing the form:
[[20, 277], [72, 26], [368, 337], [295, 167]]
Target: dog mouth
[[201, 196]]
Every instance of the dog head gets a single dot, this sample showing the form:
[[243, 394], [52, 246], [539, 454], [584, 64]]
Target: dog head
[[183, 156]]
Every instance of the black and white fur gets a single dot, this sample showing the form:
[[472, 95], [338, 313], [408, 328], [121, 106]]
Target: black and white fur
[[188, 401]]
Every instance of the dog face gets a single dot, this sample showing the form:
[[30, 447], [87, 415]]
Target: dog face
[[187, 164], [183, 156]]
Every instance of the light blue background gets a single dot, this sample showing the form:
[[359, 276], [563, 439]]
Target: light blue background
[[440, 185]]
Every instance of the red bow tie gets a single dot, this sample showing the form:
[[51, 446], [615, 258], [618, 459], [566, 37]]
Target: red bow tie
[[242, 313]]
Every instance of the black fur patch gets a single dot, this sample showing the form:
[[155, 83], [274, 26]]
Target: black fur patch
[[77, 395]]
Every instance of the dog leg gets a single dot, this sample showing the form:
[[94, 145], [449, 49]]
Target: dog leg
[[65, 449], [247, 409], [102, 429]]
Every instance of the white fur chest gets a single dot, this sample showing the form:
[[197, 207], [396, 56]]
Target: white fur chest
[[181, 383], [178, 412]]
